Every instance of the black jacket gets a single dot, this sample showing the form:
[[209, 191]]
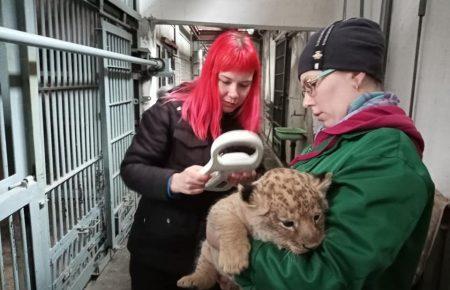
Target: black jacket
[[166, 233]]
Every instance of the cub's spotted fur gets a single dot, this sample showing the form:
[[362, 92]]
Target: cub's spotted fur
[[284, 206]]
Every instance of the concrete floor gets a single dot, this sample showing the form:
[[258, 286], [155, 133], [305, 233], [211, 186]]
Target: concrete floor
[[115, 276]]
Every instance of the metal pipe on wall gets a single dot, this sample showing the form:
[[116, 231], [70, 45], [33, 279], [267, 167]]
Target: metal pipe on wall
[[20, 37], [385, 22], [421, 14], [344, 10], [361, 8]]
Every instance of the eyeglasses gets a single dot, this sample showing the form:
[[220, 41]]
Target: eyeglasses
[[309, 86]]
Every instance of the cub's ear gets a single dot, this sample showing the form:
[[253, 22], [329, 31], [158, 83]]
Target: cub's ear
[[324, 181], [246, 191], [254, 199]]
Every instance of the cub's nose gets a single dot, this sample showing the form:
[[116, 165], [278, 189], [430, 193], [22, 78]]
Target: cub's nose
[[310, 246]]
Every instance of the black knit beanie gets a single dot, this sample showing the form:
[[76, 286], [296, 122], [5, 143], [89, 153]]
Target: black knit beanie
[[356, 44]]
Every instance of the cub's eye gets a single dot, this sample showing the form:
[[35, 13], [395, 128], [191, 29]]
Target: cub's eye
[[287, 224], [316, 217]]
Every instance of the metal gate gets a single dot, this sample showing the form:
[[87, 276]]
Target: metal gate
[[118, 130], [66, 120], [70, 104], [19, 194], [281, 92], [23, 235]]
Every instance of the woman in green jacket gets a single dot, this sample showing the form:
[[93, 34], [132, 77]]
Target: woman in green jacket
[[381, 196]]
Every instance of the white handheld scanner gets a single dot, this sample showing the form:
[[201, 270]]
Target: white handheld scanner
[[221, 164]]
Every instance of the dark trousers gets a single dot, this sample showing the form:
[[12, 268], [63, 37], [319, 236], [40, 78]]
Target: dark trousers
[[146, 277]]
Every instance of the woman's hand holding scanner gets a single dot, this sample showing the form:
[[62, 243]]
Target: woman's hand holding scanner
[[229, 168], [190, 181], [224, 170]]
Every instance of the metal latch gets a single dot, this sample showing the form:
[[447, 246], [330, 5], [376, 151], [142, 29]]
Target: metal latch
[[87, 229], [43, 203], [145, 99], [24, 183], [66, 275], [128, 201]]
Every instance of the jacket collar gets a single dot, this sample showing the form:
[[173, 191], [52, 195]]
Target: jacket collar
[[367, 119]]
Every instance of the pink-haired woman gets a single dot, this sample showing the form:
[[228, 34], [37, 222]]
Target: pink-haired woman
[[171, 145]]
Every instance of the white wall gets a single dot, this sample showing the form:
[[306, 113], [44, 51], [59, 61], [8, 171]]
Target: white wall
[[296, 114], [432, 106], [371, 9], [400, 57], [148, 39], [267, 78], [266, 14], [183, 69], [432, 92]]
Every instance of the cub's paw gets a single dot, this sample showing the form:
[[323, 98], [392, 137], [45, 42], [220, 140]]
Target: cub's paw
[[232, 261], [194, 281]]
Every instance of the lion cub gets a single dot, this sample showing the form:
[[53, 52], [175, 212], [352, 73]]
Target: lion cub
[[285, 207]]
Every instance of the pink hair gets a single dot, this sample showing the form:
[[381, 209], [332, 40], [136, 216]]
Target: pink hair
[[202, 107]]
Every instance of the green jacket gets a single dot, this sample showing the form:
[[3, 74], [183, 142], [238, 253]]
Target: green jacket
[[380, 204]]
